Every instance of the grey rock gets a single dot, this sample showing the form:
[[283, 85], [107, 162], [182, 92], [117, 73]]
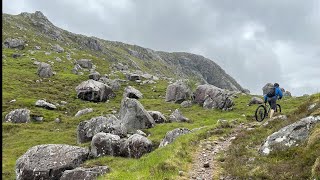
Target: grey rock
[[37, 47], [85, 63], [108, 124], [114, 84], [81, 173], [44, 104], [206, 164], [287, 93], [57, 120], [95, 91], [14, 43], [141, 133], [18, 116], [255, 100], [288, 136], [37, 118], [57, 48], [266, 88], [103, 144], [186, 104], [136, 146], [172, 135], [83, 111], [120, 67], [177, 116], [16, 55], [158, 117], [134, 116], [95, 76], [49, 161], [58, 59], [44, 70], [133, 77], [177, 92], [131, 92]]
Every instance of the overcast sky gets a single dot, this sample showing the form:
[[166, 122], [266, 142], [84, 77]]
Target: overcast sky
[[255, 41]]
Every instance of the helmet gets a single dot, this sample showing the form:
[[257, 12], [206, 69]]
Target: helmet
[[276, 85]]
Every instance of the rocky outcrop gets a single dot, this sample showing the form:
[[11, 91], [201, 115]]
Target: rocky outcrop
[[255, 100], [172, 135], [44, 70], [18, 116], [177, 92], [109, 124], [211, 97], [113, 83], [57, 48], [103, 144], [289, 136], [49, 161], [83, 111], [131, 92], [14, 43], [134, 116], [136, 146], [85, 63], [157, 116], [177, 116], [95, 91], [44, 104], [81, 173], [266, 88]]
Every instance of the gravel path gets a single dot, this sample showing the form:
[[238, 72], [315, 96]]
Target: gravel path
[[205, 158]]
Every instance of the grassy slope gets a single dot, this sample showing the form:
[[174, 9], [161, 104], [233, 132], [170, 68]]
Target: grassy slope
[[19, 76]]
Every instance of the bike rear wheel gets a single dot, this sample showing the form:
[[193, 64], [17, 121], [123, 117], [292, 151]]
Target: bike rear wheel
[[278, 109], [261, 113]]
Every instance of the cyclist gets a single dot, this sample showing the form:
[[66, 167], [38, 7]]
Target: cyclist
[[272, 96]]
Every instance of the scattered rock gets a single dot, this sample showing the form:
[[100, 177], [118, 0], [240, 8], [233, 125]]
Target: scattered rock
[[85, 63], [84, 173], [16, 55], [287, 93], [109, 124], [49, 161], [177, 116], [186, 104], [18, 116], [133, 77], [95, 76], [114, 84], [177, 92], [95, 91], [44, 104], [289, 136], [57, 120], [131, 92], [44, 70], [255, 100], [14, 43], [83, 111], [105, 144], [134, 116], [37, 118], [57, 48], [157, 116], [136, 146], [58, 59], [172, 135], [141, 133], [37, 47]]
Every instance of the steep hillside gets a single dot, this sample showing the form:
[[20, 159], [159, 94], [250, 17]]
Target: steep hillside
[[32, 26]]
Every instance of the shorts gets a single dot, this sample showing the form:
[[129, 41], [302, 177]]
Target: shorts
[[273, 102]]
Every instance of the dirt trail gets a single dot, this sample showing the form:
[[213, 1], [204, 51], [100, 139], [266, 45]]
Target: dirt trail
[[205, 158]]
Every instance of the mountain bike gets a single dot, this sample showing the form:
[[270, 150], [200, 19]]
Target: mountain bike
[[261, 111]]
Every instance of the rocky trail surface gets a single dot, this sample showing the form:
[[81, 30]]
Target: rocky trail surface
[[205, 159]]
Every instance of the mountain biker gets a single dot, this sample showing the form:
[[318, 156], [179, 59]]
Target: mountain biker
[[272, 97]]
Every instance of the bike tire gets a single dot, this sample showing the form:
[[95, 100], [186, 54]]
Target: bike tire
[[261, 113], [278, 108]]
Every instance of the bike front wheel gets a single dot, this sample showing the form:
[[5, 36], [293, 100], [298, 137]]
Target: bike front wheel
[[261, 113]]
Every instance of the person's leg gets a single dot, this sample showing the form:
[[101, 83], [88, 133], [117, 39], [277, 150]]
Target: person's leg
[[273, 104]]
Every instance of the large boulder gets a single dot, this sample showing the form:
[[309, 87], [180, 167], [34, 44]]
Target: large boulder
[[266, 88], [136, 146], [133, 77], [289, 136], [134, 116], [109, 124], [113, 83], [103, 144], [81, 173], [255, 100], [177, 116], [177, 92], [172, 135], [211, 97], [57, 48], [287, 93], [95, 76], [158, 116], [131, 92], [44, 70], [85, 63], [83, 111], [95, 91], [49, 161], [44, 104], [14, 43], [18, 116]]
